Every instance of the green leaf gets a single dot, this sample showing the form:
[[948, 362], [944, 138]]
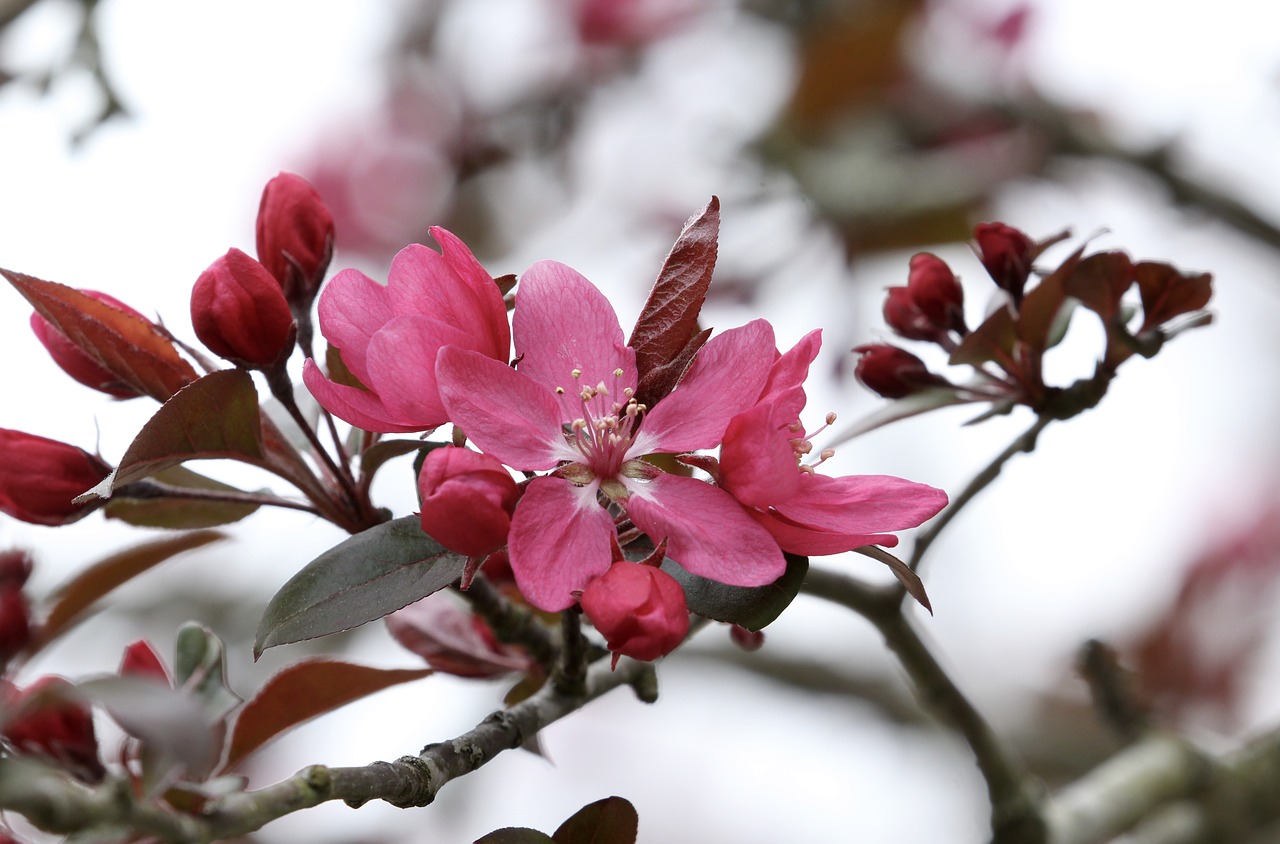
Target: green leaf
[[668, 321], [753, 607], [303, 691], [129, 347], [170, 512], [366, 577], [76, 595], [612, 820], [214, 417], [516, 835]]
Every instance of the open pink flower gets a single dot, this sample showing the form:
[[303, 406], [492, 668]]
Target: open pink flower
[[389, 335], [570, 407], [761, 465]]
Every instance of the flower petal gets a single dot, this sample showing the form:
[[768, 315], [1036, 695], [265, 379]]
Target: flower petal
[[707, 532], [351, 311], [402, 366], [808, 541], [560, 539], [861, 504], [562, 323], [451, 288], [505, 413], [785, 385], [757, 463], [725, 378], [350, 404]]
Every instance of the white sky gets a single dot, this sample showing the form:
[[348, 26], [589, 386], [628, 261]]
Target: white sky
[[1079, 539]]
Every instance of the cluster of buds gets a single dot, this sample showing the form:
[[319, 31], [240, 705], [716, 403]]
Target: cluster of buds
[[1006, 350]]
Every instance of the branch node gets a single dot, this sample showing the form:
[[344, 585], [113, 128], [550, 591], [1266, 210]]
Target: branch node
[[416, 790]]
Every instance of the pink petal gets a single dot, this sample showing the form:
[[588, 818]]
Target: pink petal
[[799, 539], [707, 532], [757, 464], [560, 539], [562, 323], [861, 504], [785, 385], [358, 407], [725, 378], [505, 413], [402, 367], [424, 282], [352, 309]]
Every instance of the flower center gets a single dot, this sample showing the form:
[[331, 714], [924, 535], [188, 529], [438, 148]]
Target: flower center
[[606, 428], [802, 445]]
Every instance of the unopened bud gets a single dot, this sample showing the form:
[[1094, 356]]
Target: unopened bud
[[49, 722], [141, 660], [892, 372], [467, 500], [74, 361], [295, 237], [640, 610], [39, 477], [1007, 254], [240, 313]]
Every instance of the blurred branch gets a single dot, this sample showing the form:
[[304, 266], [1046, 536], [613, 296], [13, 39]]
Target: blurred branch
[[57, 804], [11, 10], [1015, 817]]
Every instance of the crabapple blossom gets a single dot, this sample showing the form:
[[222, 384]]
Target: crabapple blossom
[[389, 335], [238, 311], [39, 477], [640, 610], [294, 237], [467, 499]]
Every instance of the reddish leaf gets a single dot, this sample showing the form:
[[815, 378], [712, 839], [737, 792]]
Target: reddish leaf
[[908, 578], [303, 691], [1167, 293], [516, 835], [612, 820], [991, 341], [1040, 307], [1099, 282], [81, 591], [669, 319], [216, 416], [132, 349]]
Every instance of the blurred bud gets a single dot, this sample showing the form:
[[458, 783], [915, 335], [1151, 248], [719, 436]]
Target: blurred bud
[[1007, 254], [15, 622], [239, 312], [15, 568], [49, 722], [453, 640], [39, 478], [892, 372], [936, 292], [141, 660], [640, 610], [467, 500], [295, 237], [74, 361], [748, 640]]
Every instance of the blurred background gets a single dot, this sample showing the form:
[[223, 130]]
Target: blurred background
[[841, 138]]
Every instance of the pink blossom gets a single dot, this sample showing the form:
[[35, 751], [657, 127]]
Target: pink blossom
[[640, 610], [389, 335], [761, 465], [570, 407]]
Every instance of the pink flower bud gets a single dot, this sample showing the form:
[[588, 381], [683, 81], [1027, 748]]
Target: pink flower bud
[[141, 660], [640, 610], [39, 477], [1007, 254], [15, 568], [467, 500], [239, 312], [892, 372], [74, 361], [295, 237], [49, 722], [936, 292]]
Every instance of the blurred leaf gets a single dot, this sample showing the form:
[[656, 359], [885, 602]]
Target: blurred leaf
[[173, 728], [200, 669], [214, 417], [372, 458], [903, 408], [74, 596], [132, 349], [991, 341], [366, 577], [754, 607], [612, 820], [1167, 293], [303, 691], [669, 319], [908, 578], [1099, 281], [1038, 313], [516, 835], [167, 512], [337, 369]]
